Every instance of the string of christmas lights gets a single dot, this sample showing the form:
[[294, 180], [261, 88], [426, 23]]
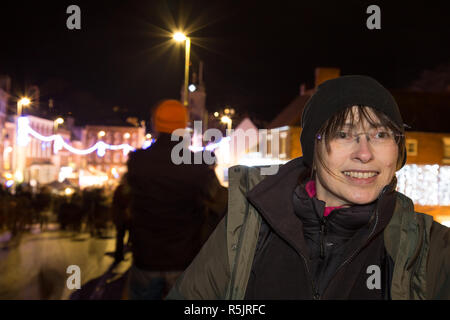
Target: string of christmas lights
[[426, 185], [24, 131]]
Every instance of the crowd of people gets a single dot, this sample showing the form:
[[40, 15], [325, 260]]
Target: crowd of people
[[87, 210]]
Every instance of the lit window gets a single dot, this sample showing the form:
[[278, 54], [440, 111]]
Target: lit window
[[269, 145], [446, 156], [283, 142], [411, 147], [116, 157]]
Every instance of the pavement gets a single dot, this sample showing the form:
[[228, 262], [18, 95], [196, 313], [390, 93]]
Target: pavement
[[34, 266]]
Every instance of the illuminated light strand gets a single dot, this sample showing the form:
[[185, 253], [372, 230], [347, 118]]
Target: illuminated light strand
[[425, 184], [210, 146], [24, 130]]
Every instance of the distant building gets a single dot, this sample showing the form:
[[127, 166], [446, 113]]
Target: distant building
[[38, 155], [113, 162], [5, 84]]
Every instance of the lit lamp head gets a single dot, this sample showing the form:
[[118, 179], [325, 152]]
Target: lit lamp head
[[59, 121], [21, 103], [192, 87], [24, 101], [179, 37], [225, 119]]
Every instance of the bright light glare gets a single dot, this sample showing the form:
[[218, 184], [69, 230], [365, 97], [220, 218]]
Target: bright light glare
[[101, 133], [59, 121], [68, 191], [178, 36], [24, 101], [126, 135], [225, 119], [192, 88], [18, 176]]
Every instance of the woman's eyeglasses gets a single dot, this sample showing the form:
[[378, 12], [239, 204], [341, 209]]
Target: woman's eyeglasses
[[376, 137]]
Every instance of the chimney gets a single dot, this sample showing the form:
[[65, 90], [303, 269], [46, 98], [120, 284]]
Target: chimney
[[324, 74]]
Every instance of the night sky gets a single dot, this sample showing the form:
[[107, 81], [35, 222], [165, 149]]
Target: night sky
[[256, 54]]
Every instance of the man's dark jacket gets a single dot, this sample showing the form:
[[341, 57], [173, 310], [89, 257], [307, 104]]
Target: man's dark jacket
[[172, 206]]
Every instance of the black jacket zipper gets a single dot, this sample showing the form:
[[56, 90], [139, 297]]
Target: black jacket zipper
[[368, 238], [323, 233]]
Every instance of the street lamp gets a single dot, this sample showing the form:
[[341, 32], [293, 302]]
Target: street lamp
[[56, 123], [227, 120], [180, 37], [22, 102], [20, 156]]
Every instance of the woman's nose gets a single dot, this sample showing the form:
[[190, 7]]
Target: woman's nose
[[363, 149]]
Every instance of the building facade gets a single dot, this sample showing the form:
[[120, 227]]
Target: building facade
[[112, 163]]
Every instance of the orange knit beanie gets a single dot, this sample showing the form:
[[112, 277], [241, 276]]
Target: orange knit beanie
[[170, 115]]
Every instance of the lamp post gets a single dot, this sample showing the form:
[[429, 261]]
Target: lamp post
[[180, 37], [227, 120], [20, 148]]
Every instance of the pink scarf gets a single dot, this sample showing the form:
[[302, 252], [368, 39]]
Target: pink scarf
[[311, 189]]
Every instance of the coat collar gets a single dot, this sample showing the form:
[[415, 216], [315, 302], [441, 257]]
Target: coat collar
[[273, 199]]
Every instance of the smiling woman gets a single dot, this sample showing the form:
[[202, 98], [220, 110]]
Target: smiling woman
[[328, 225], [353, 170]]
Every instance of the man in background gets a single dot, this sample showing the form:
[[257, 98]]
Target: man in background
[[173, 207]]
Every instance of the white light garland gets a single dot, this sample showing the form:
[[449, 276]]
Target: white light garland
[[425, 184], [24, 130]]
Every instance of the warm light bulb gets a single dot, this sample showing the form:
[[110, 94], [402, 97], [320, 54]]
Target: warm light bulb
[[24, 101], [225, 119], [178, 36]]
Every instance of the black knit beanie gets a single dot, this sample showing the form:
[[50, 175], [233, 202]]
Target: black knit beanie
[[337, 94]]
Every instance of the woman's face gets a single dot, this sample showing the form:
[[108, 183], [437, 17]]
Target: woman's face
[[358, 168]]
